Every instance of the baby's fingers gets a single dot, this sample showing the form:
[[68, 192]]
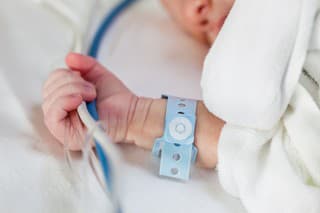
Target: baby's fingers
[[83, 89], [57, 113], [59, 78]]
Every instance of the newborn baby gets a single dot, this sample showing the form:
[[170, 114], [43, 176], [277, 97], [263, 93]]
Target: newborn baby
[[257, 123], [129, 118]]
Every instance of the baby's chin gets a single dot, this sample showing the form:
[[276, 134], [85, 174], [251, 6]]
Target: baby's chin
[[211, 37], [205, 39], [200, 37]]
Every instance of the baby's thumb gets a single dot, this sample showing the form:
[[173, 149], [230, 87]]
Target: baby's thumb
[[89, 68]]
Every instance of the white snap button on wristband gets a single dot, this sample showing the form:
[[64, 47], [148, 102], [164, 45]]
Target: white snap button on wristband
[[180, 128]]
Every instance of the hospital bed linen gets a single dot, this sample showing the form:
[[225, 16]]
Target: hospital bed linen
[[269, 148], [34, 176]]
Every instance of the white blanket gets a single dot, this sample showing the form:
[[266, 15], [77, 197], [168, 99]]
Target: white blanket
[[33, 173], [269, 149]]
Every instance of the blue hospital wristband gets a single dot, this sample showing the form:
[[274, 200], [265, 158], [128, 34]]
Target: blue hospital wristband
[[176, 147]]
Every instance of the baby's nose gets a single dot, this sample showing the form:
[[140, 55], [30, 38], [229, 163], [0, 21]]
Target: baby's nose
[[197, 12]]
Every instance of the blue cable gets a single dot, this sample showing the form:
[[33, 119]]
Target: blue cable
[[97, 40], [93, 52], [106, 25]]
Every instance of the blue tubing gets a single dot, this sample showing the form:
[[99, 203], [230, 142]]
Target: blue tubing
[[99, 35], [106, 25], [93, 52]]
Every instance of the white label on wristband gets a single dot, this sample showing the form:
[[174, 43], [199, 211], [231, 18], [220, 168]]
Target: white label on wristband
[[180, 128]]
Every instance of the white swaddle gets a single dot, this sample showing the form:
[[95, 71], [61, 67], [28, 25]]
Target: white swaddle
[[269, 149]]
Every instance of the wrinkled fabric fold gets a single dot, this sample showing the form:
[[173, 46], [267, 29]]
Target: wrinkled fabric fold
[[268, 154]]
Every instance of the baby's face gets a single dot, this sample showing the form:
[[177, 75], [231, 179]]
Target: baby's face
[[202, 19]]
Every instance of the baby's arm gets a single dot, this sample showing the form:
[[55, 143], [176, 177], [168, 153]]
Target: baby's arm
[[129, 118], [148, 122]]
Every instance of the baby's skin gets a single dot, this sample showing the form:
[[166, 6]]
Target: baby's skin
[[129, 118], [202, 19]]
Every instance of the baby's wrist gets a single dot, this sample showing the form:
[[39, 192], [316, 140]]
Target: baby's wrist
[[146, 122]]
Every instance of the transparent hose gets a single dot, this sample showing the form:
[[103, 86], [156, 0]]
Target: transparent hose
[[88, 164], [69, 18], [96, 134]]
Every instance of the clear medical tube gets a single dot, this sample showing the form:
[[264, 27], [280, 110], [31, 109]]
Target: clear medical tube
[[88, 158], [88, 166], [105, 151]]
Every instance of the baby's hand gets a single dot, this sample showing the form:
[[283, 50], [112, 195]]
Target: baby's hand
[[85, 80]]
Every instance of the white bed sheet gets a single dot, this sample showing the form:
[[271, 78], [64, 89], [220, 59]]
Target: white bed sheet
[[151, 55]]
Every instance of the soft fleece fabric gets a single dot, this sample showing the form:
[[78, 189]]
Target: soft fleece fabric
[[269, 149]]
